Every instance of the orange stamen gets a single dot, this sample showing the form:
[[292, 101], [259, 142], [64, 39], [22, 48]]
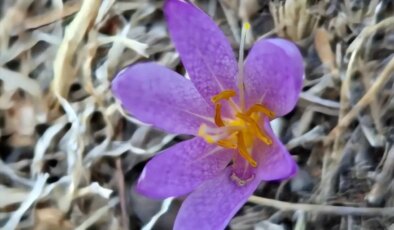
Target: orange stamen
[[261, 109], [225, 94], [226, 144], [218, 115], [237, 132], [243, 150], [255, 127]]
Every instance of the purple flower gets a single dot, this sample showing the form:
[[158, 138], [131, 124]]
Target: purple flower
[[226, 105]]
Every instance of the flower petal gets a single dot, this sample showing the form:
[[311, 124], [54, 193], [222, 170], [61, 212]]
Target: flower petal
[[274, 75], [213, 204], [180, 169], [274, 161], [161, 97], [204, 49]]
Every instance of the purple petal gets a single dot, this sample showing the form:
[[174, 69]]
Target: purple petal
[[274, 161], [213, 204], [274, 75], [161, 97], [204, 49], [180, 169]]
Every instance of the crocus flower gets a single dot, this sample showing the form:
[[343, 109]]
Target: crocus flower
[[226, 105]]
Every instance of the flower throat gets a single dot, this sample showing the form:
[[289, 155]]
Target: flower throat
[[239, 132]]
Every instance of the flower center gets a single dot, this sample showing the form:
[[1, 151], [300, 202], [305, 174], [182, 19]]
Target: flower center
[[238, 132]]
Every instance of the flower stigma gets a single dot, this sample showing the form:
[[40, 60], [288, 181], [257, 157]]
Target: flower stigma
[[240, 131], [240, 80]]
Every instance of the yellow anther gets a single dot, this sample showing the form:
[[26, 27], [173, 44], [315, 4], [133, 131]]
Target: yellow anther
[[225, 94], [258, 108], [239, 132], [243, 150], [218, 115], [226, 144], [247, 26], [256, 129]]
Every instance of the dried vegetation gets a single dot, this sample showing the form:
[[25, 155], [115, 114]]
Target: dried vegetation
[[70, 156]]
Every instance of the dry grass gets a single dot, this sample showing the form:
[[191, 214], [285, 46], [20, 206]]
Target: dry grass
[[70, 156]]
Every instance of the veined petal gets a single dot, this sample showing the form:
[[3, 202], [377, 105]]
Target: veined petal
[[204, 49], [274, 75], [161, 97], [180, 169], [214, 203], [274, 161], [293, 52]]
